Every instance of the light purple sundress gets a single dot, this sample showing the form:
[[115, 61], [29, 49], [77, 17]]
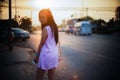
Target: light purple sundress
[[49, 54]]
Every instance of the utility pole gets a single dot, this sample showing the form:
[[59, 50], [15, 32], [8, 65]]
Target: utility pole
[[10, 12], [10, 34], [86, 11], [15, 11], [83, 7], [1, 5]]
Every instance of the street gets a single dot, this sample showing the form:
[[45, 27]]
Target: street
[[94, 57], [92, 54]]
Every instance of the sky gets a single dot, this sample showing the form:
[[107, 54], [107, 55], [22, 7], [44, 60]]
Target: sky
[[38, 4], [69, 3]]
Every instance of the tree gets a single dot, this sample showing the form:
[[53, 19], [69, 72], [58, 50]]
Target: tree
[[26, 23], [87, 18], [2, 0], [117, 20], [2, 3], [14, 23], [117, 13]]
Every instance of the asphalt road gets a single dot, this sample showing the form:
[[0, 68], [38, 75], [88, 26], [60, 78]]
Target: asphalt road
[[94, 57]]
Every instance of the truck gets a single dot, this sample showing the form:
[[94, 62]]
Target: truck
[[82, 28]]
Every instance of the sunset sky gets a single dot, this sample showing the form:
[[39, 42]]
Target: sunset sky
[[68, 3], [38, 4]]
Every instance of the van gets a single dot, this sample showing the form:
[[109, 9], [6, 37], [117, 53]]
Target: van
[[83, 28]]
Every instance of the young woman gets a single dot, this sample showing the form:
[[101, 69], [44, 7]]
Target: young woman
[[47, 49]]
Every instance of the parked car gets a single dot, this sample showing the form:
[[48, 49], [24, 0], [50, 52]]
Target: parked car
[[61, 29], [69, 29], [20, 34], [83, 28]]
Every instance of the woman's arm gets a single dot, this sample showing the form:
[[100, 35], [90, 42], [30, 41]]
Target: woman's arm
[[43, 39]]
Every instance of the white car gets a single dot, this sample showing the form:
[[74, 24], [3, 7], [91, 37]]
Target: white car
[[83, 27]]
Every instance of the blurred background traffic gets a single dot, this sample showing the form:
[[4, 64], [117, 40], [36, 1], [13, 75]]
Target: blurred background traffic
[[19, 18]]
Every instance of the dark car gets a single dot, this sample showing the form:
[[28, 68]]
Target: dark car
[[69, 29], [6, 36], [20, 34]]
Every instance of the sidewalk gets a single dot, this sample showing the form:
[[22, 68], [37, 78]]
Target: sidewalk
[[16, 64]]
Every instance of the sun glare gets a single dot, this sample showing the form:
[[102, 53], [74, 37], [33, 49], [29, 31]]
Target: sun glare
[[37, 4]]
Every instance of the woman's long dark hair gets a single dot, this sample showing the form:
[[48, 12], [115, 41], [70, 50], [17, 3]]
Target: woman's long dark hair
[[50, 22]]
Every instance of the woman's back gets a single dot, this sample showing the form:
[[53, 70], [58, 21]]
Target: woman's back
[[49, 53], [50, 44]]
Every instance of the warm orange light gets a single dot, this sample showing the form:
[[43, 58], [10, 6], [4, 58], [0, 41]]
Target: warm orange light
[[37, 4]]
